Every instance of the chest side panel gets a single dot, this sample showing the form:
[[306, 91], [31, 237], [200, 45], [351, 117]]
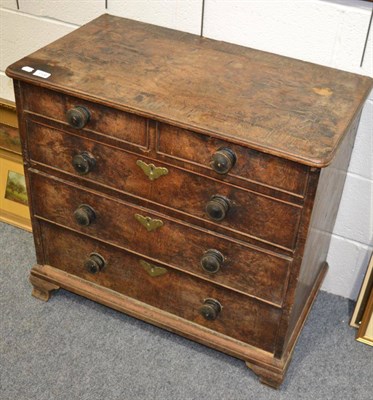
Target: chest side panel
[[314, 240]]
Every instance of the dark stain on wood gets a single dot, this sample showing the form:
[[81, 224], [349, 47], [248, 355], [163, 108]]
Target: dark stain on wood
[[275, 104]]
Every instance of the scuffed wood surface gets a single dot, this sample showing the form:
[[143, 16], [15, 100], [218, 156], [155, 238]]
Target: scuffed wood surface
[[290, 108], [178, 244], [251, 214], [241, 318], [126, 127], [251, 165]]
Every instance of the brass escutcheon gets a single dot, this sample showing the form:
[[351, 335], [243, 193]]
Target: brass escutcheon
[[151, 171], [153, 270], [149, 223]]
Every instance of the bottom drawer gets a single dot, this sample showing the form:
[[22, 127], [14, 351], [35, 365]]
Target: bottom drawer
[[241, 317]]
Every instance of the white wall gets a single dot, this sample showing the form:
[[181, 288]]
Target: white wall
[[326, 32]]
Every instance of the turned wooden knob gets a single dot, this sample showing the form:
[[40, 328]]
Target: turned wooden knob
[[223, 160], [95, 263], [217, 207], [78, 117], [84, 215], [210, 309], [83, 162], [211, 261]]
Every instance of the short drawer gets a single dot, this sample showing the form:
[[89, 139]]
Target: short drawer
[[103, 120], [250, 165], [261, 217], [241, 318], [243, 268]]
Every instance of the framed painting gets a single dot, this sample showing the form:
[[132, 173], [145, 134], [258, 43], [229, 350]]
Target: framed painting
[[13, 196], [362, 299], [365, 332], [9, 135]]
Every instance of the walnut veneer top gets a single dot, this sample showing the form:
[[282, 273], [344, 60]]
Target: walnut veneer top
[[293, 109]]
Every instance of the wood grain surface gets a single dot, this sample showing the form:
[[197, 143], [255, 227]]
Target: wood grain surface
[[297, 110], [123, 126], [251, 213], [258, 273], [241, 318], [251, 165], [314, 247]]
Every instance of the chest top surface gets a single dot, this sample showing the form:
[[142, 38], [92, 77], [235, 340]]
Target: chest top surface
[[290, 108]]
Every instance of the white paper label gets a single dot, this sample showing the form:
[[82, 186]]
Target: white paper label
[[27, 69], [42, 74]]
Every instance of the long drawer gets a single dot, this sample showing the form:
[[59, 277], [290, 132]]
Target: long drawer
[[242, 318], [261, 217], [246, 269]]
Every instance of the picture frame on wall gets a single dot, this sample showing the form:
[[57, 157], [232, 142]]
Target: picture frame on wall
[[363, 297], [13, 196], [365, 332]]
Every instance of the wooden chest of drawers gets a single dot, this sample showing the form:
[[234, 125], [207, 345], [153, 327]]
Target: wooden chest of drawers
[[187, 182]]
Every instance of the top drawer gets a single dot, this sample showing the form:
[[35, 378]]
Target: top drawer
[[249, 165], [103, 120]]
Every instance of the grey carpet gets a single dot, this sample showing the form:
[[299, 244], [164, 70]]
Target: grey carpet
[[72, 348]]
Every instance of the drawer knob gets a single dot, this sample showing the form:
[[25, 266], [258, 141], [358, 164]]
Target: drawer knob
[[83, 162], [218, 207], [84, 215], [95, 263], [211, 261], [78, 117], [223, 160], [210, 309]]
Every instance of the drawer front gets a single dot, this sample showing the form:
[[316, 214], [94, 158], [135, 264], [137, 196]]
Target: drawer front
[[103, 120], [242, 318], [250, 165], [260, 217], [245, 269]]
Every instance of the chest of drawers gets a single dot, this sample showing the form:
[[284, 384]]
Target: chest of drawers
[[190, 183]]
